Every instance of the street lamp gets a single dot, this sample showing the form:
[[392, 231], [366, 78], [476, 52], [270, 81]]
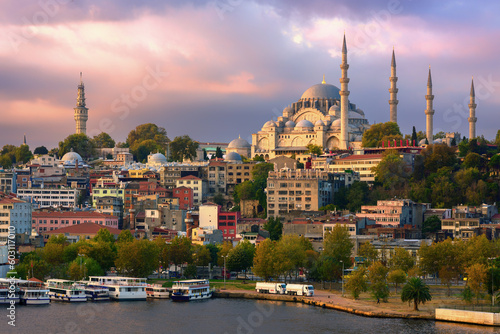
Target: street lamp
[[492, 295], [224, 271], [342, 277], [81, 263]]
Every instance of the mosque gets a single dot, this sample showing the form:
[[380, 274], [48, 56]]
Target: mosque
[[324, 116]]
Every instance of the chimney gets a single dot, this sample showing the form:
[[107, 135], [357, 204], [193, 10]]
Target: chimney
[[189, 224], [132, 217]]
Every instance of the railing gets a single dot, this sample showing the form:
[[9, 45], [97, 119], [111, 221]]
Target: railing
[[474, 307]]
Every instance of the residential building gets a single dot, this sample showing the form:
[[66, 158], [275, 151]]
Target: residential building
[[171, 173], [198, 186], [54, 197], [84, 231], [227, 223], [7, 182], [397, 212], [205, 236], [50, 221], [15, 218], [111, 206]]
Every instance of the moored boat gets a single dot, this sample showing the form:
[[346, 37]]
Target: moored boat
[[9, 291], [188, 290], [33, 293], [95, 292], [64, 290], [122, 288], [157, 291]]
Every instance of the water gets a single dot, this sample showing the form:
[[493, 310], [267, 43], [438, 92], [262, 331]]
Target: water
[[211, 316]]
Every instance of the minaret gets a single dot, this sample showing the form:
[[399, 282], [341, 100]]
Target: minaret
[[472, 112], [393, 102], [24, 141], [344, 101], [429, 112], [81, 112]]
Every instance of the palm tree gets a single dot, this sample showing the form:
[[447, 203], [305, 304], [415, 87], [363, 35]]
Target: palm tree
[[417, 291]]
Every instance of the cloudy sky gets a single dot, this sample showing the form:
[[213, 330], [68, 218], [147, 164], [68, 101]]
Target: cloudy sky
[[218, 69]]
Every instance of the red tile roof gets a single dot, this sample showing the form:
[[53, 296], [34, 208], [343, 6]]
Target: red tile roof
[[189, 177], [85, 228], [362, 157], [10, 200]]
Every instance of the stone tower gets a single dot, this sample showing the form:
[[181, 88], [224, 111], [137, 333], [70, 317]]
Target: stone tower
[[429, 112], [81, 112], [472, 112], [393, 102], [344, 101]]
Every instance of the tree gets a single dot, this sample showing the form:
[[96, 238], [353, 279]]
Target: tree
[[417, 291], [439, 135], [476, 278], [183, 148], [337, 246], [377, 274], [274, 227], [264, 260], [392, 171], [138, 258], [431, 225], [314, 149], [357, 195], [218, 152], [214, 250], [357, 282], [224, 250], [181, 251], [40, 150], [103, 140], [401, 259], [201, 256], [447, 274], [125, 236], [148, 131], [240, 258], [142, 149], [437, 156], [23, 154], [368, 251], [397, 276], [474, 160], [205, 155], [258, 158], [414, 138], [104, 235], [290, 254], [84, 267], [80, 144], [381, 131]]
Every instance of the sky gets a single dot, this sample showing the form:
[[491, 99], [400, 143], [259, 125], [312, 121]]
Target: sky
[[215, 70]]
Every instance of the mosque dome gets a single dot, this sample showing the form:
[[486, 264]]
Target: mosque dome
[[336, 123], [421, 142], [322, 91], [304, 124], [233, 156], [156, 158], [290, 124], [319, 123], [355, 114], [238, 143], [269, 124], [288, 110], [71, 156]]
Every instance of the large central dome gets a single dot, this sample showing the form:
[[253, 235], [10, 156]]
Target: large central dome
[[322, 91]]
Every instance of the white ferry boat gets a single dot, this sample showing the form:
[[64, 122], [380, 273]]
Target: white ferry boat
[[7, 295], [195, 289], [122, 288], [64, 290], [33, 293], [157, 291], [95, 292]]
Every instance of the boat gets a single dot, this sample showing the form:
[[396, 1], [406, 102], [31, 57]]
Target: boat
[[122, 288], [157, 291], [33, 293], [65, 290], [95, 292], [188, 290], [9, 291]]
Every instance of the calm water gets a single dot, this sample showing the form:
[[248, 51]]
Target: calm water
[[210, 316]]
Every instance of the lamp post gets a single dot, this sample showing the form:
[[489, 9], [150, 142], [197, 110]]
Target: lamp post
[[81, 263], [492, 294], [224, 271], [342, 277]]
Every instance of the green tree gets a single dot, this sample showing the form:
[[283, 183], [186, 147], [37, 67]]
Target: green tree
[[40, 150], [414, 138], [181, 251], [183, 148], [357, 195], [431, 225], [264, 260], [5, 161], [381, 131], [214, 250], [415, 291], [201, 255], [401, 259], [338, 246], [240, 258], [103, 140], [190, 271], [392, 171], [258, 158], [397, 276], [439, 135], [125, 236], [138, 258], [447, 274], [23, 154], [377, 274], [474, 160], [369, 252], [437, 156], [104, 253], [224, 250], [80, 144], [104, 235], [205, 155], [83, 267], [142, 149], [218, 152], [275, 228], [357, 283], [314, 149], [290, 254], [148, 131]]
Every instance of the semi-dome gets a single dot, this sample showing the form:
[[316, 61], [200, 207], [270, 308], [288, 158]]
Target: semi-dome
[[71, 156], [319, 123], [290, 124], [288, 109], [238, 143], [322, 91], [336, 123], [233, 156], [304, 124], [355, 114], [156, 158]]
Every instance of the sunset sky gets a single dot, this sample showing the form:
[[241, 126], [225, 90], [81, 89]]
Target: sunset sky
[[218, 69]]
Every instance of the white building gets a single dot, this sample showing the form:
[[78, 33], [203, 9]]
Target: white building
[[198, 186], [45, 197], [15, 216], [209, 216]]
